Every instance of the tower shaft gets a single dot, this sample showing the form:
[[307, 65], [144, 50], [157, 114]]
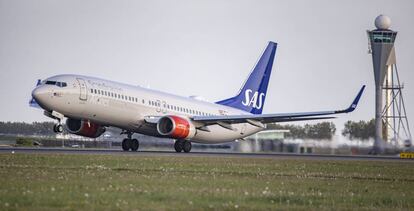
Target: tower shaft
[[383, 57]]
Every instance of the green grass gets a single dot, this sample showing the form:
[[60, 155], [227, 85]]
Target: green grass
[[125, 182]]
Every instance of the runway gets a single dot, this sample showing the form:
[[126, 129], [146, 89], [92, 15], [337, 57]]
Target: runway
[[43, 150]]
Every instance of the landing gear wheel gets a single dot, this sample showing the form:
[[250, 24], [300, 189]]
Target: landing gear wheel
[[58, 128], [187, 146], [178, 145], [126, 144], [134, 145]]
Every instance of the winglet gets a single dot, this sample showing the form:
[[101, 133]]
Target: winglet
[[354, 103]]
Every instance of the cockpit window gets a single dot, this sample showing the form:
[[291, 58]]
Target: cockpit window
[[51, 82], [57, 83], [61, 84]]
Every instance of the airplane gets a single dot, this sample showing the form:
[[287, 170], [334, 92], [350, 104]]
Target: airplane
[[91, 104]]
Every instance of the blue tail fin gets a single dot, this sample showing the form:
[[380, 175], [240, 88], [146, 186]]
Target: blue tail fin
[[252, 95]]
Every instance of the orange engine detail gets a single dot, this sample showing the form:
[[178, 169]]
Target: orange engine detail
[[175, 127], [84, 128]]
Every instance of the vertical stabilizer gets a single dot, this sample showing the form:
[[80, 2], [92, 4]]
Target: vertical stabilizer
[[252, 95]]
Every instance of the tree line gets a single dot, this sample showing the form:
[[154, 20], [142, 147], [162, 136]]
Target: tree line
[[23, 128], [319, 131], [361, 130]]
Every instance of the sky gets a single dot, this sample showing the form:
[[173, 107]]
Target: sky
[[204, 48]]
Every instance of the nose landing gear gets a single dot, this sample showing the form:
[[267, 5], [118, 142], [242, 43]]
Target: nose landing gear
[[129, 143], [58, 128]]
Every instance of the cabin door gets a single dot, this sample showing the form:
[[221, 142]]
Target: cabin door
[[83, 90]]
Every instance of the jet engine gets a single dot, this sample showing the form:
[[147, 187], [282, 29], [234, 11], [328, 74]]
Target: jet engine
[[176, 127], [84, 128]]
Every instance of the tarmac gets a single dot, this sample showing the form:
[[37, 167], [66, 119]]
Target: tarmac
[[146, 153]]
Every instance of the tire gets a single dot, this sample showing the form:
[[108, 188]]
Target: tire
[[134, 145], [187, 146], [126, 144], [178, 145], [59, 128]]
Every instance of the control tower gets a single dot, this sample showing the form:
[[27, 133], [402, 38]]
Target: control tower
[[391, 123]]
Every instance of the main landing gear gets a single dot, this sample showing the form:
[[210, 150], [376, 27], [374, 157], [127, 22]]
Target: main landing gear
[[182, 145], [130, 144]]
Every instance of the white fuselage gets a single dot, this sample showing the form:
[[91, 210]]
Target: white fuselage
[[127, 107]]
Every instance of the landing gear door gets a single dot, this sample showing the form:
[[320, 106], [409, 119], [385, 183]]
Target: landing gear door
[[83, 91]]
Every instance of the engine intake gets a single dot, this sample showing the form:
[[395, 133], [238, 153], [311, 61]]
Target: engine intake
[[176, 127], [84, 128]]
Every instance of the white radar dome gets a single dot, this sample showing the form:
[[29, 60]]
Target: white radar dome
[[382, 22]]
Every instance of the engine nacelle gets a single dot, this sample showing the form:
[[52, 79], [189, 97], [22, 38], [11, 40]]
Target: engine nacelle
[[84, 128], [176, 127]]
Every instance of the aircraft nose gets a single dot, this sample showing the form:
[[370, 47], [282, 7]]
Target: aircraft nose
[[40, 94]]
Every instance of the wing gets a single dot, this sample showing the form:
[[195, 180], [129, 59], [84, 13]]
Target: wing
[[261, 119]]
